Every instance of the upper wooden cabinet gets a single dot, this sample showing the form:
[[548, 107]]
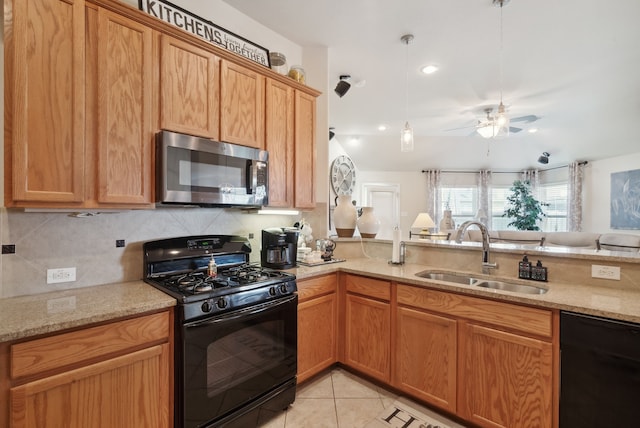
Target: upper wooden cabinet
[[189, 87], [305, 151], [279, 142], [241, 105], [78, 95], [125, 132], [44, 101]]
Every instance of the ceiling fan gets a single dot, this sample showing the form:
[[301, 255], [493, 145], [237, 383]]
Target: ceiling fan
[[493, 126]]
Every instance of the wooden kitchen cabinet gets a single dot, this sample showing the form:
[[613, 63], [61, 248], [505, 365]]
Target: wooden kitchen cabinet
[[79, 132], [504, 357], [189, 88], [279, 142], [44, 102], [426, 358], [505, 379], [121, 63], [305, 151], [115, 374], [317, 325], [242, 97], [367, 346]]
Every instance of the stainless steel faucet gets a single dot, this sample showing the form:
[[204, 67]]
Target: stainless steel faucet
[[486, 266]]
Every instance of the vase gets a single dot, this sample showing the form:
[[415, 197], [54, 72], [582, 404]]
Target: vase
[[447, 222], [345, 216], [368, 223]]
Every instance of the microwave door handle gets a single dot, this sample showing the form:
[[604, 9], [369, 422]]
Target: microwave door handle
[[252, 177]]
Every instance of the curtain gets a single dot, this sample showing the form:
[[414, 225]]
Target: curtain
[[532, 176], [574, 211], [484, 182], [433, 195]]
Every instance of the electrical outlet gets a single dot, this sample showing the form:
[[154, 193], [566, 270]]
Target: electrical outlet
[[605, 272], [119, 243], [55, 276]]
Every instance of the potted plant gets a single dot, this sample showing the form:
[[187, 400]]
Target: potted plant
[[523, 208]]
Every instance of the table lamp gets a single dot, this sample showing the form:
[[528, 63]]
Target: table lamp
[[423, 222]]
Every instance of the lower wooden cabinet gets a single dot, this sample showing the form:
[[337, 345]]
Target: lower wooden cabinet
[[491, 363], [426, 349], [505, 378], [113, 375], [367, 337], [317, 325]]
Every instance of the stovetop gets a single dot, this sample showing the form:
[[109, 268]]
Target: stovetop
[[197, 285], [178, 266]]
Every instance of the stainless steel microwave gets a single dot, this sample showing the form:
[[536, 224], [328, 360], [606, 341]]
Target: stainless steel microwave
[[199, 171]]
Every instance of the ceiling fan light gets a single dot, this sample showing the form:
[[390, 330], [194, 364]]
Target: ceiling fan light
[[488, 130], [406, 138]]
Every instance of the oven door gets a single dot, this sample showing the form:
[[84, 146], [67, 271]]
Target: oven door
[[233, 359]]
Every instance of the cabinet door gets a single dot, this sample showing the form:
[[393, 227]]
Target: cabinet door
[[505, 380], [127, 391], [45, 96], [125, 131], [305, 151], [189, 88], [427, 357], [241, 106], [367, 336], [316, 335], [279, 142]]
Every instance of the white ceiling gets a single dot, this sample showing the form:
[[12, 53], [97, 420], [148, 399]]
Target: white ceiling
[[575, 63]]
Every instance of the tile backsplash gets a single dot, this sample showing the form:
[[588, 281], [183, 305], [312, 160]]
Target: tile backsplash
[[56, 240]]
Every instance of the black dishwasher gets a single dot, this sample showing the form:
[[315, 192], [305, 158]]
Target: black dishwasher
[[599, 372]]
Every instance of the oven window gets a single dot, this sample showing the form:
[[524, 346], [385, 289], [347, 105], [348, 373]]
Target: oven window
[[237, 358]]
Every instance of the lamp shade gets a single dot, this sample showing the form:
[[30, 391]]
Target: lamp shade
[[423, 222]]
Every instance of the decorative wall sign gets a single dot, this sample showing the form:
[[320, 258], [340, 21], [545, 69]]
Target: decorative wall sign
[[625, 199], [207, 30]]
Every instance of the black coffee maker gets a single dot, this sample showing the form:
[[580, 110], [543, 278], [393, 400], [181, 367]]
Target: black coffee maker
[[279, 248]]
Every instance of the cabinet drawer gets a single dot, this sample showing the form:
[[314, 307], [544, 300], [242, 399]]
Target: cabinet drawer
[[376, 288], [60, 350], [516, 317], [314, 287]]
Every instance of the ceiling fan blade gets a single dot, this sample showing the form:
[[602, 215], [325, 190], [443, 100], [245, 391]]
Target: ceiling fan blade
[[528, 119], [514, 129]]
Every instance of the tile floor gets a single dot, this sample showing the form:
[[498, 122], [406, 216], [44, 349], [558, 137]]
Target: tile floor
[[337, 399]]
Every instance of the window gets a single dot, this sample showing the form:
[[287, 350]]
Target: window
[[462, 201], [556, 195]]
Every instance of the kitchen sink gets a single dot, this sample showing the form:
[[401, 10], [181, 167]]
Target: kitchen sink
[[448, 277], [509, 286], [480, 282]]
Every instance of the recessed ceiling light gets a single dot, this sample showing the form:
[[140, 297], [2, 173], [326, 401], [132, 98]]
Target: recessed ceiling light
[[429, 69], [533, 130], [382, 128]]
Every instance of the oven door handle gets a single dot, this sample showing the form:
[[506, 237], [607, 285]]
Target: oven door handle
[[252, 310]]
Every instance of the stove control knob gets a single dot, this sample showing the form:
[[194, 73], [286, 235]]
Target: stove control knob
[[207, 307], [283, 288], [221, 303], [272, 291]]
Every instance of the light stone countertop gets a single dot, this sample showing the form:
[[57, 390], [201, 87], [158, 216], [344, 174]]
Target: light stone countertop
[[613, 301], [25, 316]]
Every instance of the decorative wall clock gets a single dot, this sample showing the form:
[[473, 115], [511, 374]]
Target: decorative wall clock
[[343, 175]]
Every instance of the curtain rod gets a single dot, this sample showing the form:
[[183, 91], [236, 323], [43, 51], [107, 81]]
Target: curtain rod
[[505, 172]]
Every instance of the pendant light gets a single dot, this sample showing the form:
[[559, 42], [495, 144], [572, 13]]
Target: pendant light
[[497, 125], [502, 120], [406, 135]]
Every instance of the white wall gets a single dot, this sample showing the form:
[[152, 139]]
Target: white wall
[[596, 216]]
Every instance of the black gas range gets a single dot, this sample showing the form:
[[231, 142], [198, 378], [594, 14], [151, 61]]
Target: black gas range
[[235, 332], [178, 266]]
